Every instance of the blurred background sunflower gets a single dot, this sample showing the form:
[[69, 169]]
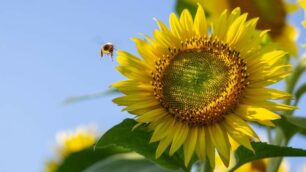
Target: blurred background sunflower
[[272, 13]]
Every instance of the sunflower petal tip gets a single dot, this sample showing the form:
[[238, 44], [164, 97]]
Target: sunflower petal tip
[[158, 153], [136, 126], [252, 149], [171, 152], [236, 10], [136, 40], [186, 162], [200, 6]]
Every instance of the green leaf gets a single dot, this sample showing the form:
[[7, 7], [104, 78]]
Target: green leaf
[[81, 160], [297, 121], [264, 150], [286, 127], [138, 141], [185, 4], [127, 163], [290, 125], [299, 93], [96, 95]]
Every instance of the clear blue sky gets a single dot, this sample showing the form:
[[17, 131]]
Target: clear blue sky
[[49, 50]]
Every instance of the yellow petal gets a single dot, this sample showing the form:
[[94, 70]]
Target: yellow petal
[[219, 138], [200, 23], [180, 133], [161, 130], [134, 74], [186, 23], [210, 149], [235, 30], [219, 27], [238, 136], [268, 105], [127, 59], [239, 125], [132, 86], [200, 147], [144, 50], [176, 26], [142, 105], [162, 146], [190, 145], [152, 115], [234, 15], [266, 94]]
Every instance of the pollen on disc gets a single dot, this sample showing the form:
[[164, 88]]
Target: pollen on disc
[[193, 80]]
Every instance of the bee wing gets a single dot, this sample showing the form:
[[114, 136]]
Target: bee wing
[[101, 53]]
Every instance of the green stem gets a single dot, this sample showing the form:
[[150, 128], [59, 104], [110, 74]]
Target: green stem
[[269, 134], [203, 166], [280, 138]]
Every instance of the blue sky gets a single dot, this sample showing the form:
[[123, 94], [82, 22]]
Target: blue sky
[[49, 51]]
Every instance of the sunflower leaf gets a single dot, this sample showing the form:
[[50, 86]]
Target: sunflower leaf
[[287, 127], [291, 125], [138, 141], [126, 163], [81, 160], [264, 150], [297, 121]]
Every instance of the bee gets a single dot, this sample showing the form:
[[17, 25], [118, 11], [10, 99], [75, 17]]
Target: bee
[[107, 49]]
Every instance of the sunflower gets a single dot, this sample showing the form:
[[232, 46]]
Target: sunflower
[[302, 3], [272, 14], [71, 142], [197, 86]]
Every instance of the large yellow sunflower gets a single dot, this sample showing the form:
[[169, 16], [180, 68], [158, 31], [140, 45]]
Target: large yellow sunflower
[[195, 87], [272, 14], [71, 142]]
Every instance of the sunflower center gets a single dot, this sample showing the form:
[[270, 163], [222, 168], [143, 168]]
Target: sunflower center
[[200, 82], [200, 74]]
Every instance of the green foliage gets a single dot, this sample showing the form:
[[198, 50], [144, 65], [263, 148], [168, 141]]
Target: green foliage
[[264, 150], [299, 93], [297, 73], [290, 125], [185, 4], [127, 163], [299, 122], [138, 141], [79, 161]]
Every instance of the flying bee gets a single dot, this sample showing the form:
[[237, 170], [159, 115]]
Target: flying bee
[[107, 49]]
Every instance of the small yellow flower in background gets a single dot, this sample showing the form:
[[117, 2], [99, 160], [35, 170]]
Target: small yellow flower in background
[[71, 142], [197, 87], [272, 15], [261, 166], [253, 166], [302, 3]]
